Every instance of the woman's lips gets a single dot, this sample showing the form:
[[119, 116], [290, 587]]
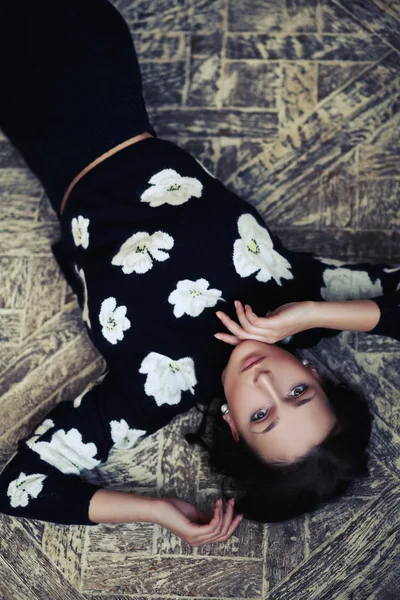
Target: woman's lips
[[251, 360]]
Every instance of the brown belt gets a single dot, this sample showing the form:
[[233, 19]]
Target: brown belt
[[99, 160]]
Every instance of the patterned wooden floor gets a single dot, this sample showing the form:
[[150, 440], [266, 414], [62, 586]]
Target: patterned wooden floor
[[294, 105]]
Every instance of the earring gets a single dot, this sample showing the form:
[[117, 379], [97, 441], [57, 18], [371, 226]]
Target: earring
[[224, 409], [306, 362]]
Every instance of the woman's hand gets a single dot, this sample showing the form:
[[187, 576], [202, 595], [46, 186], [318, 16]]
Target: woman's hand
[[195, 526], [286, 320]]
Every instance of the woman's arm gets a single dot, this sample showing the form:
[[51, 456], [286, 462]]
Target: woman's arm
[[192, 525], [380, 316], [42, 480], [347, 315], [112, 506]]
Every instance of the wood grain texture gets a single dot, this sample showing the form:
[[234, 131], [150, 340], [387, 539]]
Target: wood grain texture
[[11, 586], [301, 15], [155, 74], [247, 541], [44, 382], [205, 83], [305, 47], [20, 192], [121, 538], [255, 15], [321, 148], [294, 106], [332, 75], [370, 533], [11, 323], [32, 566], [178, 459], [298, 94], [133, 469], [63, 545], [378, 158], [380, 17], [250, 84], [45, 293], [197, 577], [285, 549], [215, 123], [159, 45], [13, 281]]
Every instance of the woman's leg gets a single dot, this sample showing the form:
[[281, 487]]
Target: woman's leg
[[71, 85]]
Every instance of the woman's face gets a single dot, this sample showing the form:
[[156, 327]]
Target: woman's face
[[276, 404]]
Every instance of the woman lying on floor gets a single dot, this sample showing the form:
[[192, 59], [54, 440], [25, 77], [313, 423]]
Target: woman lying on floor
[[185, 292]]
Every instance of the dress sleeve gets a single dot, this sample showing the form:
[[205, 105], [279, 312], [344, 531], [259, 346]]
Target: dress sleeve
[[389, 322], [43, 479]]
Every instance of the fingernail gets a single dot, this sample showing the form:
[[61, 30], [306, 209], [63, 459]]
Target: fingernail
[[218, 315]]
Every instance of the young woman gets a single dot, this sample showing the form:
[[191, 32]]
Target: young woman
[[175, 275]]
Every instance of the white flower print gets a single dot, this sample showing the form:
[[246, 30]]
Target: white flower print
[[123, 436], [205, 168], [331, 261], [78, 399], [25, 487], [113, 319], [39, 431], [254, 252], [345, 284], [67, 452], [136, 254], [393, 270], [167, 378], [168, 187], [85, 309], [192, 297], [80, 231]]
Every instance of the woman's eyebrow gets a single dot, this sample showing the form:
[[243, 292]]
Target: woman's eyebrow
[[276, 421], [271, 426], [303, 402]]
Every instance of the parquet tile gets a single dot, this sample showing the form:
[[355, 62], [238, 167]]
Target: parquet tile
[[294, 105]]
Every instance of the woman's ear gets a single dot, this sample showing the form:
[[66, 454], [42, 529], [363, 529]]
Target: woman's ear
[[232, 426], [315, 373]]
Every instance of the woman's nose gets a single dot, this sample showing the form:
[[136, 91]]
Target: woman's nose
[[266, 382]]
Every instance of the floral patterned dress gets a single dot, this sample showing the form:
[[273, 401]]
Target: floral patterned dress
[[153, 245]]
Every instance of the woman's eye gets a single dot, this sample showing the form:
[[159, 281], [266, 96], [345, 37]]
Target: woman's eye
[[299, 390], [263, 413]]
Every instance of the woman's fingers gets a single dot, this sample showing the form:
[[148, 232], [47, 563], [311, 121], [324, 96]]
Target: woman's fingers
[[227, 522], [226, 526], [243, 320], [251, 315], [209, 531], [246, 330], [235, 524], [215, 523], [250, 325], [228, 339], [233, 327]]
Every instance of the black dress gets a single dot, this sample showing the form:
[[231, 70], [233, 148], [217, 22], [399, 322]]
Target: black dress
[[153, 245]]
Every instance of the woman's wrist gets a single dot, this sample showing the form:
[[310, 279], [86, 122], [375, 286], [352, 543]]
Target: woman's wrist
[[347, 315], [112, 506]]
